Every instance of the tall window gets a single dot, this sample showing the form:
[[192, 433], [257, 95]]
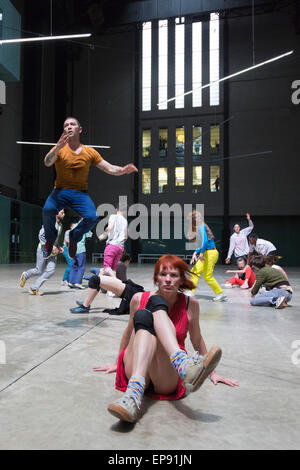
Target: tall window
[[197, 143], [197, 64], [146, 180], [162, 64], [180, 146], [179, 62], [197, 179], [179, 179], [215, 178], [146, 66], [162, 180], [1, 18], [214, 139], [214, 74], [163, 144], [146, 143]]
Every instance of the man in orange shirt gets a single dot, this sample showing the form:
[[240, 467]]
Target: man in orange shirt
[[72, 163]]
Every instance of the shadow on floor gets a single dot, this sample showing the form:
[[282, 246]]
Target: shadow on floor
[[195, 415]]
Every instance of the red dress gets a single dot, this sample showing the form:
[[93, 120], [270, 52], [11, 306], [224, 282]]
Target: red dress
[[179, 317]]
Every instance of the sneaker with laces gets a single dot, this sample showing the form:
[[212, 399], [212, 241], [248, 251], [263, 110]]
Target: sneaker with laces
[[125, 408], [35, 291], [78, 286], [22, 280], [280, 302], [200, 367], [80, 309], [47, 249], [245, 285], [64, 283], [220, 298], [227, 285]]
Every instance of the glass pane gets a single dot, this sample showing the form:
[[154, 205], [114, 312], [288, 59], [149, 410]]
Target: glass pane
[[214, 58], [146, 66], [180, 146], [162, 180], [1, 17], [197, 141], [197, 64], [197, 179], [179, 65], [146, 180], [214, 139], [163, 143], [162, 64], [215, 178], [146, 144], [179, 179]]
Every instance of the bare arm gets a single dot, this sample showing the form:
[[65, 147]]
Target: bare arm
[[116, 170], [51, 156]]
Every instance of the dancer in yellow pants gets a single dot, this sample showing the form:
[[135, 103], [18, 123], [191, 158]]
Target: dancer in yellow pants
[[208, 256]]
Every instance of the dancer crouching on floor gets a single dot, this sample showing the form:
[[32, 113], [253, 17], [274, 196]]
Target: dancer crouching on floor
[[152, 357]]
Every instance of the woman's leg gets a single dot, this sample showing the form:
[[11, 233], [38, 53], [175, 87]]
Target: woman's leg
[[196, 271], [235, 281], [211, 257], [69, 262]]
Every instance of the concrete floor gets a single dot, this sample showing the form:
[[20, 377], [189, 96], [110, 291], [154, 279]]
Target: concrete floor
[[50, 398]]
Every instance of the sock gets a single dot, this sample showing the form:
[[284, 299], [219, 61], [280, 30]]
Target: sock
[[179, 361], [135, 388]]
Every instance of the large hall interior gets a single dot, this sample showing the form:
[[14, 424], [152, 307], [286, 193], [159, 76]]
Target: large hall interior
[[188, 108]]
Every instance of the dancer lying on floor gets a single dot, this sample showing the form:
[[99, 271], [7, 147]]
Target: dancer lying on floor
[[152, 357]]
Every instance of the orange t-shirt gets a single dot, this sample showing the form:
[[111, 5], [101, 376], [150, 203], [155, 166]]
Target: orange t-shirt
[[72, 169]]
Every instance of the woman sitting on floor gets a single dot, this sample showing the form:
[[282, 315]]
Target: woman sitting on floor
[[152, 357], [279, 291], [244, 276]]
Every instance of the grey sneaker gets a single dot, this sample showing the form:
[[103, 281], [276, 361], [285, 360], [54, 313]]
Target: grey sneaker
[[280, 302], [220, 298], [199, 368], [125, 408]]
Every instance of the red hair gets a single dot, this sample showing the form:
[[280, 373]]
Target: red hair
[[174, 262]]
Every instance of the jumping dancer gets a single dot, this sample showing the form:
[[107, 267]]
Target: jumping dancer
[[72, 163]]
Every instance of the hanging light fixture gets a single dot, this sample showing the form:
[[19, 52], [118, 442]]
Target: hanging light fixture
[[44, 38]]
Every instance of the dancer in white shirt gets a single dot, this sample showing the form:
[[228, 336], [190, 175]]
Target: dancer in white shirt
[[239, 246]]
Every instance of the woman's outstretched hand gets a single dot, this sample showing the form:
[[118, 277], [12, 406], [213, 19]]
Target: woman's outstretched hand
[[215, 378], [108, 369]]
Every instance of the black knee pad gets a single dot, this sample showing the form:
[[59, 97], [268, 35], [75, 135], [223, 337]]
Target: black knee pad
[[157, 302], [143, 320], [94, 283]]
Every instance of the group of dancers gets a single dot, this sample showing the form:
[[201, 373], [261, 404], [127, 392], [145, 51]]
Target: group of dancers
[[152, 358]]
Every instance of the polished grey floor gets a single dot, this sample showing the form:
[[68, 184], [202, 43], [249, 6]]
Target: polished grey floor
[[50, 397]]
